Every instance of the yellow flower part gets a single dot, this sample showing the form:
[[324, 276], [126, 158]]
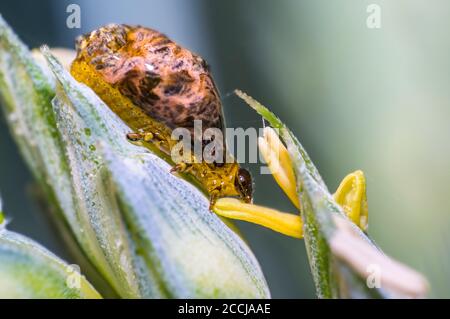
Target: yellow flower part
[[351, 195], [288, 224], [277, 158]]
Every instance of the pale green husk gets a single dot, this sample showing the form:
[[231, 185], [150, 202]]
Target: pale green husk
[[28, 270]]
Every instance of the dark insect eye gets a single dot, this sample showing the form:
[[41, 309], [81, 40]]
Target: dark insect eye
[[244, 176], [244, 183]]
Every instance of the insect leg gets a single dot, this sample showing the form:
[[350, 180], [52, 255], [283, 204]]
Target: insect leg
[[179, 168], [213, 197]]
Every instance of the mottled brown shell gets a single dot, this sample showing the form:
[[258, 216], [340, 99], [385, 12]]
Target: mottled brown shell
[[169, 83], [154, 86]]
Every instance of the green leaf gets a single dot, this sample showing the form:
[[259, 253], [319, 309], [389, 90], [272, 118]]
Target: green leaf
[[28, 270], [337, 272]]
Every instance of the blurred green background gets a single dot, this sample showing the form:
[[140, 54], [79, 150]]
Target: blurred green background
[[357, 98]]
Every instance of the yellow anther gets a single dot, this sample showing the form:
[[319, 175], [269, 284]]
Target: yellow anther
[[277, 158], [351, 195], [287, 224]]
